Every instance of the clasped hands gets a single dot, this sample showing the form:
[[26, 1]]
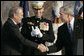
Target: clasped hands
[[42, 48], [36, 32]]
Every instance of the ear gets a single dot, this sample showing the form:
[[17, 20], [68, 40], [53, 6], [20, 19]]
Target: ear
[[14, 15], [68, 16]]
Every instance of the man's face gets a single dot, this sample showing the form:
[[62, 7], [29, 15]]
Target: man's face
[[38, 12], [63, 16], [19, 15]]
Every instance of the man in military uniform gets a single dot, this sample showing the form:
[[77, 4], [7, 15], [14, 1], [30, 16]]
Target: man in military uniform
[[37, 29]]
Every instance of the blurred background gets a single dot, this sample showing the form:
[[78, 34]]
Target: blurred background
[[6, 5]]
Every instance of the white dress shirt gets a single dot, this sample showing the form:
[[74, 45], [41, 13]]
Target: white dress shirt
[[14, 21], [71, 23]]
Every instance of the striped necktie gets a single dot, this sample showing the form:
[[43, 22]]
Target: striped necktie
[[70, 31]]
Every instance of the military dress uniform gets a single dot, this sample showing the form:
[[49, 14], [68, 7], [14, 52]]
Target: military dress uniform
[[46, 29]]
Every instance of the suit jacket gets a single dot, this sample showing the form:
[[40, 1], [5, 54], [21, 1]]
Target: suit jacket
[[48, 35], [12, 40], [64, 39]]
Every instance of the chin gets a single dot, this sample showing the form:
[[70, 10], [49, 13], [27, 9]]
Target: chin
[[38, 16], [19, 22]]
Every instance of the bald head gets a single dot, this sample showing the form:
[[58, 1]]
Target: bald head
[[14, 10], [16, 13]]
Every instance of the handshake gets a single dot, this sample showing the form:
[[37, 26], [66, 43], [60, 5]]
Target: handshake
[[42, 48], [36, 32]]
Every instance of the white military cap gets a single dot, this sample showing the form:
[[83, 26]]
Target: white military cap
[[37, 4]]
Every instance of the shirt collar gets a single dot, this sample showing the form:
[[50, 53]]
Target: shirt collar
[[14, 21], [38, 18], [72, 23]]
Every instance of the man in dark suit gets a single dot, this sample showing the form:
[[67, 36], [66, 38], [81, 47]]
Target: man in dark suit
[[68, 33], [37, 29], [12, 41]]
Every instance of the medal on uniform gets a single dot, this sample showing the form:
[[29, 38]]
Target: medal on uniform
[[44, 26]]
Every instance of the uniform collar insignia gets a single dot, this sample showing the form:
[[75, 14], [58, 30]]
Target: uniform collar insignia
[[38, 18]]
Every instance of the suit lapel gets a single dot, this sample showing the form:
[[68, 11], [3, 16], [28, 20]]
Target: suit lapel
[[67, 29], [67, 32], [76, 29], [12, 23]]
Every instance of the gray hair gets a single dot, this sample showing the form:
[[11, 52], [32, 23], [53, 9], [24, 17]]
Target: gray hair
[[68, 9], [13, 10]]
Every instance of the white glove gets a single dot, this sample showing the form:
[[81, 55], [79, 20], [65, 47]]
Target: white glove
[[39, 34], [36, 32], [33, 32]]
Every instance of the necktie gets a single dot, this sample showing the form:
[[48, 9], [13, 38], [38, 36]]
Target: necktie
[[71, 35], [70, 31]]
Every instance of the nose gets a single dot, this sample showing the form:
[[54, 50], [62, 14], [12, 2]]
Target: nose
[[22, 16], [38, 11]]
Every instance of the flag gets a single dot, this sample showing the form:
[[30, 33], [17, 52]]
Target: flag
[[25, 6], [53, 14], [77, 6]]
